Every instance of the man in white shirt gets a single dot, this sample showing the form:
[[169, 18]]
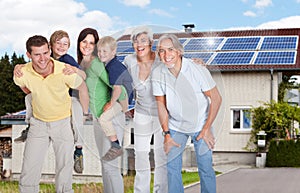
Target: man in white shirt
[[188, 102]]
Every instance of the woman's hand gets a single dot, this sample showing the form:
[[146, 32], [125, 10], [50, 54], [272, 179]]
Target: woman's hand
[[199, 61]]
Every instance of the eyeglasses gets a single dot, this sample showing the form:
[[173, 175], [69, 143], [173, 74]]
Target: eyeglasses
[[143, 42]]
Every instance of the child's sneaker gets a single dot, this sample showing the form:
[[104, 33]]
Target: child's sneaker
[[23, 136], [78, 161], [112, 154]]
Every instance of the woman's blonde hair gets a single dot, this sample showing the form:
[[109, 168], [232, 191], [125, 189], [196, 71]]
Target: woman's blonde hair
[[141, 30]]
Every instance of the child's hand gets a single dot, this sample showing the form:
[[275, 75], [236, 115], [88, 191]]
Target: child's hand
[[107, 106], [17, 70], [68, 70]]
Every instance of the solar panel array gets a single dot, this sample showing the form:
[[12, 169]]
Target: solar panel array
[[258, 50]]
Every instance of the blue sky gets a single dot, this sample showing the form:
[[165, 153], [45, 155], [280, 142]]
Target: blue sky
[[21, 19]]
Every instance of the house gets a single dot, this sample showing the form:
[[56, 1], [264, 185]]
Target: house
[[248, 67]]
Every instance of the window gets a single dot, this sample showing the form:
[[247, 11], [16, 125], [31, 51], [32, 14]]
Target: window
[[241, 119]]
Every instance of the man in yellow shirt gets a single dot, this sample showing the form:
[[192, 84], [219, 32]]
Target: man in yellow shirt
[[43, 77]]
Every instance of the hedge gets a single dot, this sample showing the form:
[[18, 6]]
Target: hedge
[[285, 153]]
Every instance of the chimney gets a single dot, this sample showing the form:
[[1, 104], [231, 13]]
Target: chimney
[[188, 28]]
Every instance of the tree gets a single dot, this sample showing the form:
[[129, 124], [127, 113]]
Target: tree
[[12, 97], [276, 119]]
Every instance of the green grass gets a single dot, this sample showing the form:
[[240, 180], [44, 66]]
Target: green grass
[[11, 187]]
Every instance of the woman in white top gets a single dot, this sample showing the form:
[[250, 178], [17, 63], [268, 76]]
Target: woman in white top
[[140, 65]]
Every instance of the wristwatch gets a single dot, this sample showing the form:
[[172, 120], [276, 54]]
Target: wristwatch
[[164, 133]]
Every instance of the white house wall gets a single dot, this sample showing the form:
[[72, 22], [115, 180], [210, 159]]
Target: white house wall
[[240, 89]]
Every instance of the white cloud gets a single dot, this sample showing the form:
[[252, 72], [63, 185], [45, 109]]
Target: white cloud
[[176, 8], [24, 19], [262, 3], [138, 3], [249, 14], [288, 22], [160, 12]]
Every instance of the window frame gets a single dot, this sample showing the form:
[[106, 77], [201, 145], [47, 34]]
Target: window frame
[[241, 129]]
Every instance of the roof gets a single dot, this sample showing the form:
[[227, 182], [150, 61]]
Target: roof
[[225, 36], [17, 118]]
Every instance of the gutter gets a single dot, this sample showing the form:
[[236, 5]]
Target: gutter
[[271, 94]]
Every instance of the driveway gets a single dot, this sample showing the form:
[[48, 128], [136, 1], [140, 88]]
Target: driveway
[[256, 180]]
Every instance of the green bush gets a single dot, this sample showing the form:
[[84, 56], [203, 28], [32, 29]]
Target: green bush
[[284, 153]]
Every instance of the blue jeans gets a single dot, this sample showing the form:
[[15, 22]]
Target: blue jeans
[[204, 163]]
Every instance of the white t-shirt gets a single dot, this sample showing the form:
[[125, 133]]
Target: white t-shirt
[[186, 103], [145, 101]]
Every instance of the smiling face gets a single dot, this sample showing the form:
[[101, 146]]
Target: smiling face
[[169, 55], [60, 47], [106, 53], [40, 57], [142, 45], [87, 45]]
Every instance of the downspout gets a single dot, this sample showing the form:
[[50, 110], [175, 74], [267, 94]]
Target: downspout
[[271, 94]]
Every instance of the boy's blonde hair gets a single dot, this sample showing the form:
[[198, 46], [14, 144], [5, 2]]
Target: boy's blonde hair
[[107, 41], [57, 35]]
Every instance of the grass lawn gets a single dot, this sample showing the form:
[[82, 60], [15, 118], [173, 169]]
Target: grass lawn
[[10, 187]]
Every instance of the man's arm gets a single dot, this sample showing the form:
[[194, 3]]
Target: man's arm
[[215, 103], [164, 121], [83, 97]]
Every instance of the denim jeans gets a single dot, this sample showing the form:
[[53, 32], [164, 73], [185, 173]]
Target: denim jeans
[[204, 163]]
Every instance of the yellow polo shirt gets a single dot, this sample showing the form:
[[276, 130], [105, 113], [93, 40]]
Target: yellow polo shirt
[[50, 96]]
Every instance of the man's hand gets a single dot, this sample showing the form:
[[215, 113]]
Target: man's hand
[[208, 138], [17, 70], [68, 70], [169, 143]]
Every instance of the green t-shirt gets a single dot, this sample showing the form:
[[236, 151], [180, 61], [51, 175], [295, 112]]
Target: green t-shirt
[[98, 85]]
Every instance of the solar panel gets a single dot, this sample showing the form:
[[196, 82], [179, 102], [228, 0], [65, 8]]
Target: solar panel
[[124, 47], [181, 40], [234, 51], [203, 44], [121, 57], [276, 58], [205, 56], [241, 43], [236, 58], [154, 45], [279, 43]]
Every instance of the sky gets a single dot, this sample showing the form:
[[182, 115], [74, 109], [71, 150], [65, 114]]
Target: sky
[[20, 19]]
